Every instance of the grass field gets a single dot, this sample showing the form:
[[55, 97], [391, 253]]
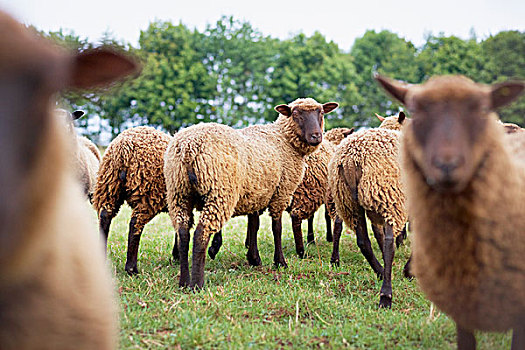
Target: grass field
[[308, 305]]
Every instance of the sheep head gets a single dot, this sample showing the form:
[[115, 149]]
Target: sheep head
[[450, 115], [308, 116], [392, 122]]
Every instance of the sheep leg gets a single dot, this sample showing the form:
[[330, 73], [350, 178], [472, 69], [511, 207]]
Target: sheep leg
[[216, 244], [328, 220], [518, 337], [385, 300], [310, 238], [338, 228], [466, 339], [278, 257], [135, 232], [200, 242], [401, 238], [253, 252], [297, 236], [380, 238], [363, 242], [104, 224], [406, 269], [184, 246], [175, 251]]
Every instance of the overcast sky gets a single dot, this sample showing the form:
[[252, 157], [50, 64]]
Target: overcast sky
[[340, 21]]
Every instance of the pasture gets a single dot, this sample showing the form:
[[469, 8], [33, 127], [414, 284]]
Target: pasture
[[308, 305]]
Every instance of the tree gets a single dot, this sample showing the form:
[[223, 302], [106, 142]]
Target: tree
[[505, 55], [388, 54]]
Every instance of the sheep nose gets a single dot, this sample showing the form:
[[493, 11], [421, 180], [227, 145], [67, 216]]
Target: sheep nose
[[448, 164], [316, 138]]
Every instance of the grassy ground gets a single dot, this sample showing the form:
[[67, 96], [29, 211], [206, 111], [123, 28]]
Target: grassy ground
[[308, 305]]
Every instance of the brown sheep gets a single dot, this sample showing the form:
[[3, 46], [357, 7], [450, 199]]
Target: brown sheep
[[132, 170], [465, 185], [226, 172], [364, 180], [55, 288]]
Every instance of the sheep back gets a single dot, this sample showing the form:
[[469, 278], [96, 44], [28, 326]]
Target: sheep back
[[132, 169], [370, 157]]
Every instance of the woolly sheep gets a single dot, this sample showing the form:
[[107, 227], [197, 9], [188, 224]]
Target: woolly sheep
[[307, 198], [225, 172], [55, 289], [132, 170], [465, 185], [364, 179]]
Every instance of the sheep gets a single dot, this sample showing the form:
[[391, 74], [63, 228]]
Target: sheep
[[56, 290], [225, 172], [86, 156], [364, 179], [465, 186], [132, 170], [313, 191]]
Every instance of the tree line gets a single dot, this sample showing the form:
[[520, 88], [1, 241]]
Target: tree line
[[233, 74]]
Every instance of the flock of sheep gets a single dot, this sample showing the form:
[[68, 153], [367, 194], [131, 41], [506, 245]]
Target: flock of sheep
[[451, 169]]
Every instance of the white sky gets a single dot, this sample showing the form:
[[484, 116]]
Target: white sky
[[340, 21]]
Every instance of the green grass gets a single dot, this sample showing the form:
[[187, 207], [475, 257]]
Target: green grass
[[308, 305]]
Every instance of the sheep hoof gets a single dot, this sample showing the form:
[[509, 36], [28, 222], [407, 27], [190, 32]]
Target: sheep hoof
[[300, 253], [407, 274], [385, 301], [212, 252], [253, 261], [281, 263], [132, 270], [335, 262], [329, 238]]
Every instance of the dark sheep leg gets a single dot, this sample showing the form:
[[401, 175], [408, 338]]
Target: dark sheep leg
[[104, 224], [278, 257], [175, 251], [406, 270], [385, 300], [253, 252], [466, 339], [401, 238], [135, 232], [297, 236], [184, 246], [310, 238], [200, 243], [380, 238], [216, 245], [363, 242], [338, 228], [328, 220]]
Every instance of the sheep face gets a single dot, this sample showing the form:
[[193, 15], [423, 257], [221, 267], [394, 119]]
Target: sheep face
[[449, 121], [308, 119]]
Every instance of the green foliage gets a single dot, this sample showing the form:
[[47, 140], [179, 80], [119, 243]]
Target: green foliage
[[505, 53], [233, 74], [388, 54]]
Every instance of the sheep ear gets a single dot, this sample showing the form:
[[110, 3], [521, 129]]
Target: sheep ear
[[77, 114], [330, 106], [394, 88], [98, 67], [380, 117], [401, 117], [350, 131], [504, 93], [284, 110]]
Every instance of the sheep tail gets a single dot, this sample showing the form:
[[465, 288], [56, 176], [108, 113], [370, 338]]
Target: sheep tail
[[351, 178], [191, 175]]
